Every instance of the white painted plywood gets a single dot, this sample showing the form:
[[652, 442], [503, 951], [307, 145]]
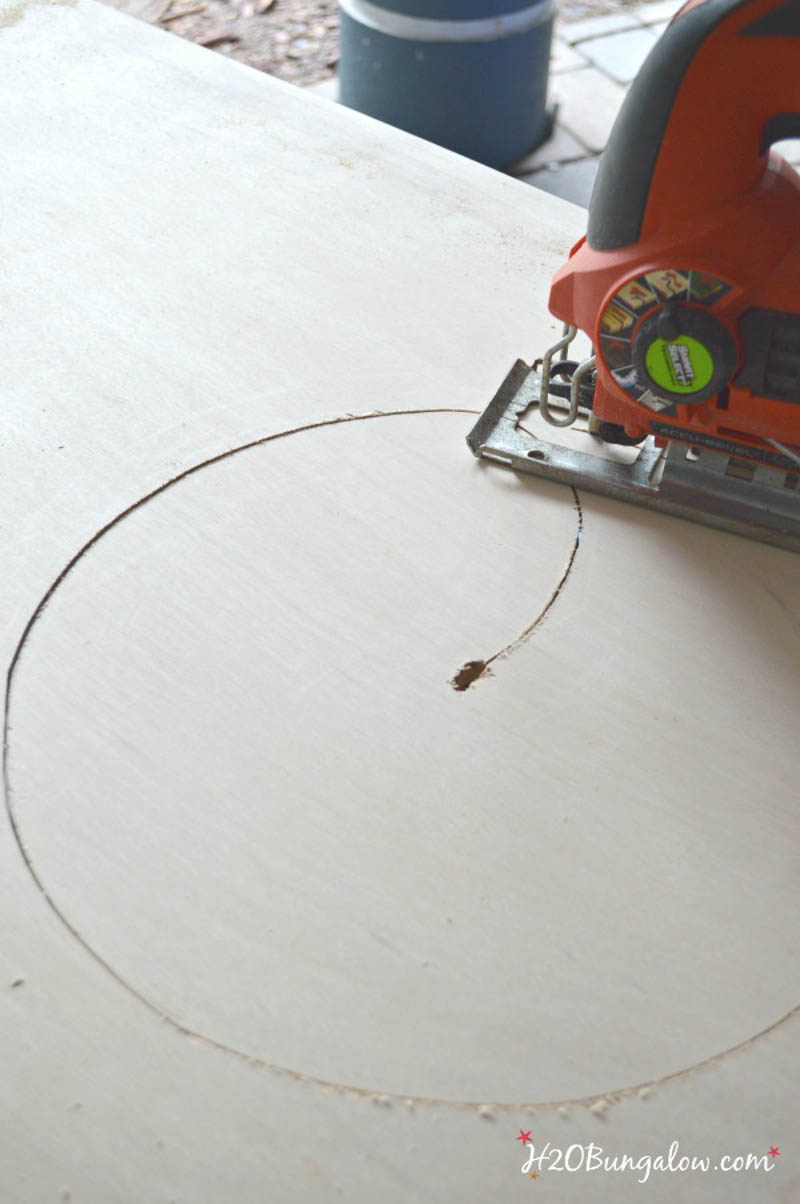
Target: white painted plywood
[[289, 917]]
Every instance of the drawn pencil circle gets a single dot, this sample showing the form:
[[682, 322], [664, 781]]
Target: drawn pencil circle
[[349, 907]]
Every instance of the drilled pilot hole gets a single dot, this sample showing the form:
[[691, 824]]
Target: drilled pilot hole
[[469, 673]]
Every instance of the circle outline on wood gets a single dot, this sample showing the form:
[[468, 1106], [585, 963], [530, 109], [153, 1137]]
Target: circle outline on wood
[[500, 1106]]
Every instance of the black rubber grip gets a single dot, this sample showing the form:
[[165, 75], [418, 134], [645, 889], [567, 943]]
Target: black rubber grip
[[782, 125]]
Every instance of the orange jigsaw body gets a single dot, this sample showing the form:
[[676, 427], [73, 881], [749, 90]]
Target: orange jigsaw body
[[688, 280]]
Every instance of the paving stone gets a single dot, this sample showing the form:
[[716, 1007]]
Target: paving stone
[[662, 10], [573, 181], [589, 103], [621, 54], [560, 148], [564, 58], [598, 27]]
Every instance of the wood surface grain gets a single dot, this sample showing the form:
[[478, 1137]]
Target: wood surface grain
[[285, 915]]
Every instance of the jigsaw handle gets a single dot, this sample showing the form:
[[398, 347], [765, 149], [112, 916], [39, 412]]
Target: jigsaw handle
[[719, 87]]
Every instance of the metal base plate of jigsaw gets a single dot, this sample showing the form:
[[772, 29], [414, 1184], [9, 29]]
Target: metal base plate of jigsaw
[[760, 501]]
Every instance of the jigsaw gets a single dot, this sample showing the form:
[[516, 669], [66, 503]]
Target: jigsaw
[[687, 284]]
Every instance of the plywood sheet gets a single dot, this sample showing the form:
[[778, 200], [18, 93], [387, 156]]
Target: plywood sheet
[[287, 915]]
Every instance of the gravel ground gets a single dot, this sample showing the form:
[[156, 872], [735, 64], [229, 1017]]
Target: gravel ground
[[296, 40]]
